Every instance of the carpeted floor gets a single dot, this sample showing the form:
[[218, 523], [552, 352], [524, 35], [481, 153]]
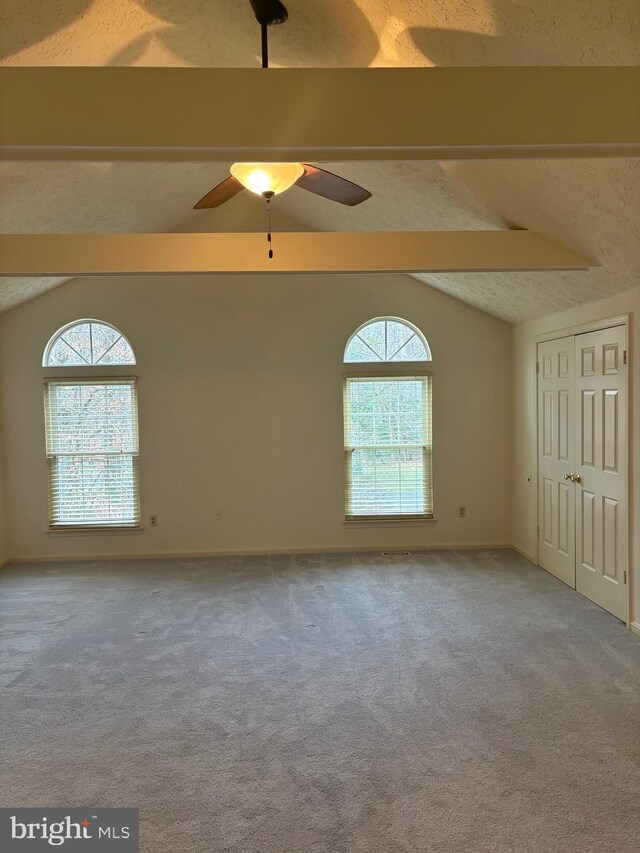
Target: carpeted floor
[[440, 703]]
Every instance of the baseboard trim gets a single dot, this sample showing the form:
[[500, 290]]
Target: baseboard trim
[[635, 628], [525, 554], [249, 552]]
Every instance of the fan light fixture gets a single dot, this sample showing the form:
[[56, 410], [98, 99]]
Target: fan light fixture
[[267, 178]]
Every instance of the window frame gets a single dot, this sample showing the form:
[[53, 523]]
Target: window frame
[[387, 318], [61, 331], [386, 370], [80, 374], [88, 377]]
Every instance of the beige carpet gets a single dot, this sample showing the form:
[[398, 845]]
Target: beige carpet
[[445, 702]]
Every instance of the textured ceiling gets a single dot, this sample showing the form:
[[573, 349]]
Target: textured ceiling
[[321, 32], [587, 204]]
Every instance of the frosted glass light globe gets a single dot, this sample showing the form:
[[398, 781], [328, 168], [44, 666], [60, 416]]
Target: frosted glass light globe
[[263, 178]]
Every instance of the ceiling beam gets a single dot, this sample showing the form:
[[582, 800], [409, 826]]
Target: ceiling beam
[[191, 114], [325, 252]]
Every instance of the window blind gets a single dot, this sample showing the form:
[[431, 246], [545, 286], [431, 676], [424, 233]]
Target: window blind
[[387, 428], [91, 431]]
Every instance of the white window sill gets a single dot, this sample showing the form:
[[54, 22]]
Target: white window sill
[[93, 531], [382, 521]]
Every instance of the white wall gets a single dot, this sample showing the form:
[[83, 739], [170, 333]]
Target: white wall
[[524, 421], [4, 533], [240, 393]]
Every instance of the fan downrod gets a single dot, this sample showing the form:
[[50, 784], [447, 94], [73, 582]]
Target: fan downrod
[[268, 13]]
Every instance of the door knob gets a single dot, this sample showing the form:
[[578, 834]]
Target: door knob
[[569, 476], [576, 478]]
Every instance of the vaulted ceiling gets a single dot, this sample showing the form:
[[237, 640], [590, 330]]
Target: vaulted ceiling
[[586, 204]]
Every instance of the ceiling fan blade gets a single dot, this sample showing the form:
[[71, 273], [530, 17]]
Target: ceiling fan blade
[[218, 195], [331, 186]]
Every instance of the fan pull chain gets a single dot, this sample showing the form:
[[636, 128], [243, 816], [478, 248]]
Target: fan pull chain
[[269, 241]]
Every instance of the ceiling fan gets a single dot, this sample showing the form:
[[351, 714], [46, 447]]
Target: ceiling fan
[[269, 179]]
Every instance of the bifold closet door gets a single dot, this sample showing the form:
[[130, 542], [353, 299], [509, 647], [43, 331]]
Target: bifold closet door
[[601, 468], [556, 458]]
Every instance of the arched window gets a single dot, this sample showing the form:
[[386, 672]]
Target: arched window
[[85, 343], [387, 423], [387, 339], [91, 429]]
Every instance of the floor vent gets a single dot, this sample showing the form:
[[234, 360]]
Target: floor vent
[[396, 553]]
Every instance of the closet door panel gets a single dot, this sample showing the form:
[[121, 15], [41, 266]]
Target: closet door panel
[[556, 458], [601, 468]]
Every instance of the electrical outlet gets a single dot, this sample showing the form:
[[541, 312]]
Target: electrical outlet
[[153, 521], [217, 513], [462, 512]]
